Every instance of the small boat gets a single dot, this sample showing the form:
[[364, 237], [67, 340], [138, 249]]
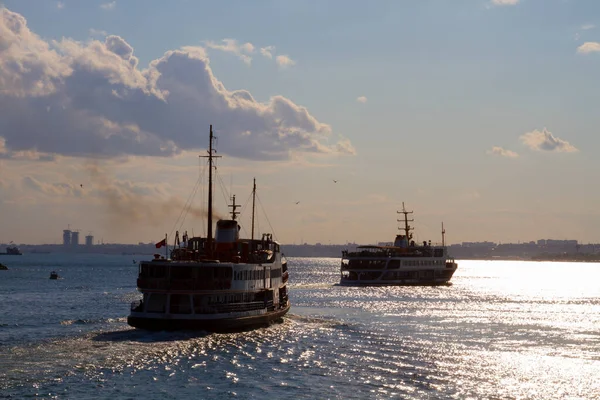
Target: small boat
[[405, 263], [3, 267], [219, 284], [53, 275]]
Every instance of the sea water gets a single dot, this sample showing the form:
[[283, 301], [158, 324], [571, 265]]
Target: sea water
[[502, 330]]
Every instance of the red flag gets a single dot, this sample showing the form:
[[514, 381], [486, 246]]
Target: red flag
[[161, 243]]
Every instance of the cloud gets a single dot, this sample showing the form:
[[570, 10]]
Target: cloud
[[505, 2], [345, 147], [97, 32], [92, 100], [589, 47], [587, 27], [267, 51], [108, 6], [232, 46], [51, 189], [284, 61], [361, 99], [545, 141], [60, 5], [496, 150]]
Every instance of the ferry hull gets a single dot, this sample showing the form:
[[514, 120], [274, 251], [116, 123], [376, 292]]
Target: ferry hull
[[396, 283], [220, 325]]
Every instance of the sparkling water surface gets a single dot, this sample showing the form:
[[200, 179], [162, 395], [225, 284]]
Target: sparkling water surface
[[502, 330]]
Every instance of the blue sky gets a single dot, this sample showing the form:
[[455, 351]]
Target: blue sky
[[477, 114]]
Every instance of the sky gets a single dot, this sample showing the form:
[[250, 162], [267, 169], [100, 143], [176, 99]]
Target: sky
[[481, 114]]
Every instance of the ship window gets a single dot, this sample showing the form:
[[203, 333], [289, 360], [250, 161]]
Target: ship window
[[157, 271], [204, 274], [181, 273], [200, 304], [156, 303], [180, 304]]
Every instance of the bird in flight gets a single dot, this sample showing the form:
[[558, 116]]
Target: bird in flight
[[81, 185], [334, 181], [297, 202]]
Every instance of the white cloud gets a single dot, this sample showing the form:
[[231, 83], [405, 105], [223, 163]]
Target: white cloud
[[587, 27], [97, 32], [267, 51], [232, 46], [505, 2], [361, 99], [108, 6], [589, 47], [92, 100], [284, 61], [545, 141], [60, 5], [499, 151]]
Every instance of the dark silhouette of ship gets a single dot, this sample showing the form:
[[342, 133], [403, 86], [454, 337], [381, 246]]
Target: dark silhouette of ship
[[11, 250]]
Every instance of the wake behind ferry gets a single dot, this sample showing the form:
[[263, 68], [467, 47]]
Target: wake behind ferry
[[225, 283], [404, 263]]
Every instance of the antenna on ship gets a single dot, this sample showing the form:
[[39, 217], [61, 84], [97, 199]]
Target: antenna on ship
[[210, 157], [233, 206], [253, 200], [443, 236], [407, 228]]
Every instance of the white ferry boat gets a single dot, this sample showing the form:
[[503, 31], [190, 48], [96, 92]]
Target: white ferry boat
[[217, 285], [404, 263]]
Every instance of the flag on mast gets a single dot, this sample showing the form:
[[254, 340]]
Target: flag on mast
[[161, 243]]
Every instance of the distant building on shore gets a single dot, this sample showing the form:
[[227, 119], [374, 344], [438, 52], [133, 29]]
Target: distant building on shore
[[67, 237], [74, 238]]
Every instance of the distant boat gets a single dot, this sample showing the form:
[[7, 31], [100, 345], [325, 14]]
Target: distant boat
[[11, 250], [218, 284], [403, 264], [53, 275], [3, 267]]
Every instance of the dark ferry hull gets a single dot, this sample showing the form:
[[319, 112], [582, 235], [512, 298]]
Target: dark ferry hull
[[395, 283], [219, 325]]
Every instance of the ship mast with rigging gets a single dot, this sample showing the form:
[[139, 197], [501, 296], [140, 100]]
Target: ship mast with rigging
[[210, 156], [253, 200], [407, 228]]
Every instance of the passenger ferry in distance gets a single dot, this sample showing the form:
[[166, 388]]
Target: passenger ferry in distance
[[218, 284], [11, 250], [404, 263]]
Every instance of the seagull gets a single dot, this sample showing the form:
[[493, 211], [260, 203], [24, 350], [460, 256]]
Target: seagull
[[297, 202], [334, 181], [81, 185]]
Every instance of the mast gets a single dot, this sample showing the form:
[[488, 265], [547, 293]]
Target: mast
[[210, 157], [407, 228], [443, 236], [253, 199], [233, 206]]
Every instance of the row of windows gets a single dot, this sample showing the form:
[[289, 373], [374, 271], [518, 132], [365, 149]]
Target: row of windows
[[183, 303], [199, 273], [249, 275], [420, 263], [255, 274], [203, 273]]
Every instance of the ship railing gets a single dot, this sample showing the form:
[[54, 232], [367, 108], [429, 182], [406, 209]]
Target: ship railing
[[235, 307], [183, 284]]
